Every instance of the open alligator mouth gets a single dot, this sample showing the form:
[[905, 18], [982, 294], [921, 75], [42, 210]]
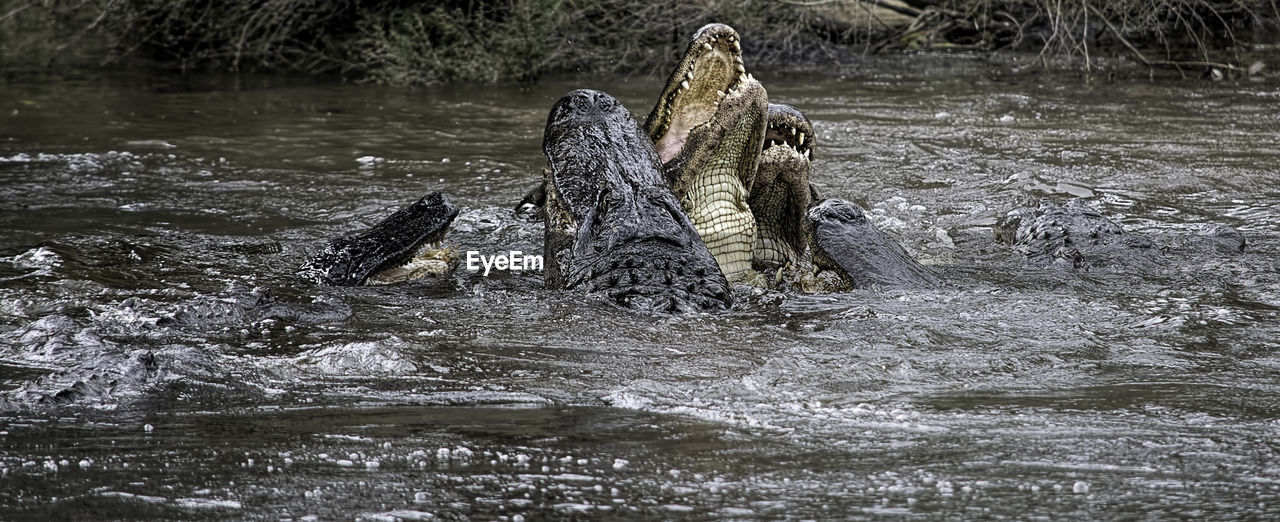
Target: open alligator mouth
[[707, 127], [780, 192], [711, 69], [712, 176], [790, 131]]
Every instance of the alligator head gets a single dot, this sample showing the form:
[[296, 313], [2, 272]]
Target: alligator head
[[790, 223], [842, 240], [612, 224], [403, 246], [707, 126], [780, 193]]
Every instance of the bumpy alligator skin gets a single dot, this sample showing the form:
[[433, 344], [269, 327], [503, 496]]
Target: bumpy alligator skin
[[781, 193], [1075, 235], [353, 260], [708, 125], [612, 225]]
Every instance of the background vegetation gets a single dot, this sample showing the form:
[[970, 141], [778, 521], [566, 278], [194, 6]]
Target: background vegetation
[[406, 42]]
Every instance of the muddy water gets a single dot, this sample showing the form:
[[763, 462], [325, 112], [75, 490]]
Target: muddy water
[[159, 358]]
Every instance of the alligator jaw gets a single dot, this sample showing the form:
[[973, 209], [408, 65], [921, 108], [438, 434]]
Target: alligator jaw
[[710, 69], [780, 192], [712, 175]]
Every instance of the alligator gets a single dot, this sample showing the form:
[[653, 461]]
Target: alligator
[[612, 225], [1076, 235], [780, 191], [634, 213], [828, 243], [843, 242], [404, 246], [707, 126], [740, 167]]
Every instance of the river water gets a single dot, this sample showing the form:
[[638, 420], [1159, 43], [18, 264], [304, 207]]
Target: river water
[[160, 359]]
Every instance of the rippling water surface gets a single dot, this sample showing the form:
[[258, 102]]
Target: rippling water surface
[[160, 359]]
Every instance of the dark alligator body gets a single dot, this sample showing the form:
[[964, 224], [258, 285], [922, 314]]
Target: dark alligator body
[[1077, 236], [612, 225]]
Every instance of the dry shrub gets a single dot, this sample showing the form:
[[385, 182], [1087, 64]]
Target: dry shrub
[[409, 42]]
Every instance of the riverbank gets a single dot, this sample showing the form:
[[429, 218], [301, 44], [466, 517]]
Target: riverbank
[[403, 43]]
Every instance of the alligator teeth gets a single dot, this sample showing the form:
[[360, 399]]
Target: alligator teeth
[[689, 75], [737, 46], [806, 153], [802, 138], [742, 69], [706, 45], [793, 131], [684, 84], [720, 94]]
